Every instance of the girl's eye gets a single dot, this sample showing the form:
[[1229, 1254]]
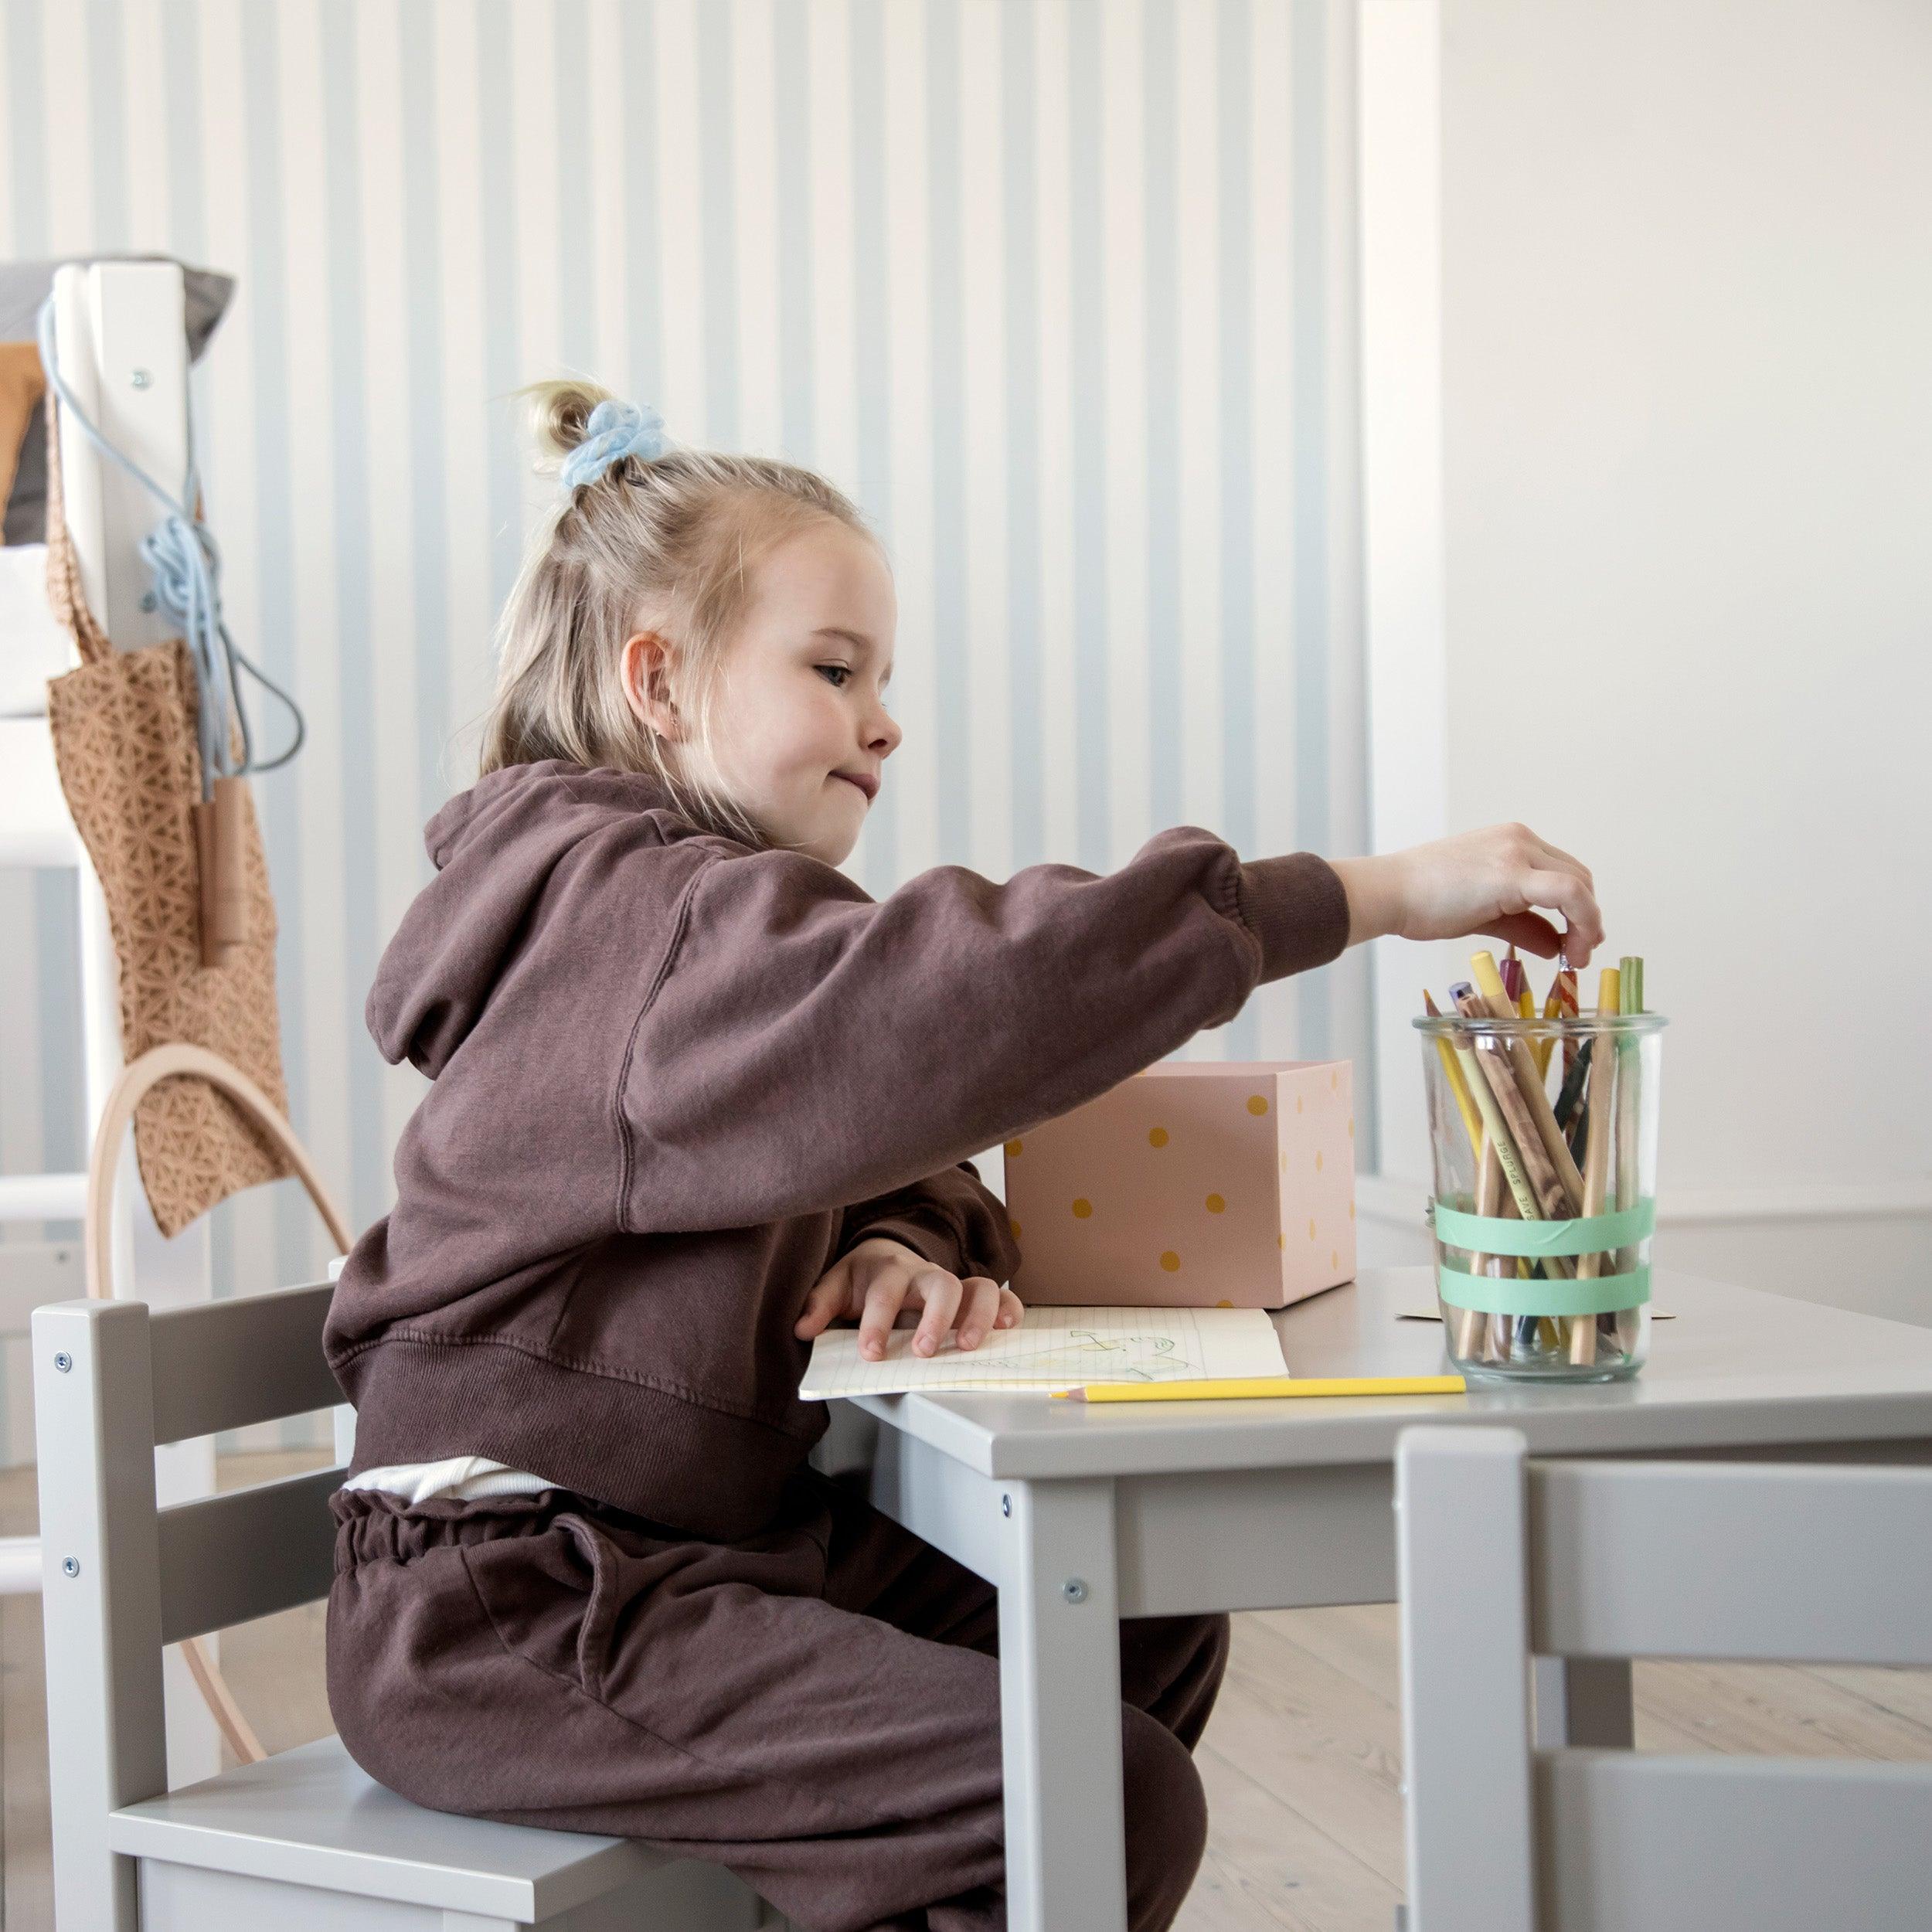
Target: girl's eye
[[835, 674]]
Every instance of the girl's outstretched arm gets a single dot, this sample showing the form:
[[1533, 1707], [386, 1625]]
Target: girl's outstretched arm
[[803, 1046]]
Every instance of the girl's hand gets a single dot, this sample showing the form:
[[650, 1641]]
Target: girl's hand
[[1477, 882], [879, 1279]]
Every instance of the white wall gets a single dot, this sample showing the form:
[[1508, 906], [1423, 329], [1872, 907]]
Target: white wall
[[1685, 397]]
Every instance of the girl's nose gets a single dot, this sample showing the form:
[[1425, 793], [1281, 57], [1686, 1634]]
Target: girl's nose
[[884, 734]]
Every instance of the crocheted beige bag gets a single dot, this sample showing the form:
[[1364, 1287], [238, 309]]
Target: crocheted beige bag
[[124, 741]]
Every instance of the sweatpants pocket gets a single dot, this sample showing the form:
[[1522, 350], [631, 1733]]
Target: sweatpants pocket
[[553, 1597]]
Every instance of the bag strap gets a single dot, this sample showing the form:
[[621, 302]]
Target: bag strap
[[178, 1060], [65, 592]]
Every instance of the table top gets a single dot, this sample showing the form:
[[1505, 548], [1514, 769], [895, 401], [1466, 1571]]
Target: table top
[[1734, 1368]]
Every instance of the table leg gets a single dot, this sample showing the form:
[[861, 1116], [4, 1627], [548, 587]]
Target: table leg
[[1583, 1700], [1060, 1710]]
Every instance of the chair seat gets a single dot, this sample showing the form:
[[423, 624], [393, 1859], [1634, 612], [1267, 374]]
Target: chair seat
[[312, 1816]]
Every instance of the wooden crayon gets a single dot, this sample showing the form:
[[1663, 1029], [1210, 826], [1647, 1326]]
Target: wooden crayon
[[1452, 1072], [1547, 1134], [1545, 1187], [1582, 1331], [1566, 992]]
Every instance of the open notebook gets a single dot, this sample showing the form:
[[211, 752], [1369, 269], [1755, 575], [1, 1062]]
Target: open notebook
[[1057, 1348]]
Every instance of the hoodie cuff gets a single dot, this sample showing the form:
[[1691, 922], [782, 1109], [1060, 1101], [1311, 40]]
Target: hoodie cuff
[[1297, 908]]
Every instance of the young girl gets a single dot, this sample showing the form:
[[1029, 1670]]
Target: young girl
[[696, 1096]]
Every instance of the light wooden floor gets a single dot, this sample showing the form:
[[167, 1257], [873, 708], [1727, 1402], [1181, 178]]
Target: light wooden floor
[[1302, 1760]]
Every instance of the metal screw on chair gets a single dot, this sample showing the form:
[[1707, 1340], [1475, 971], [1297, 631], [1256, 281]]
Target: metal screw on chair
[[71, 1565], [1074, 1590], [140, 379], [64, 1362], [1006, 1505]]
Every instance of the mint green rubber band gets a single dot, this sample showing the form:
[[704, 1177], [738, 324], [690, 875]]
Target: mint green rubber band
[[1505, 1294], [1495, 1234]]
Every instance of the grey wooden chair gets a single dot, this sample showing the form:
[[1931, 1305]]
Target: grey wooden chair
[[302, 1842], [1504, 1561]]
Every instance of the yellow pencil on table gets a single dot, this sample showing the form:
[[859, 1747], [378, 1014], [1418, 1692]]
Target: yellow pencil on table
[[1251, 1387]]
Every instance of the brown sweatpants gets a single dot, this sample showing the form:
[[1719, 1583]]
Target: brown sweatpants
[[817, 1708]]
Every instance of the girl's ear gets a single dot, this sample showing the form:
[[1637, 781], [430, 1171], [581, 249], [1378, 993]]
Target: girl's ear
[[645, 669]]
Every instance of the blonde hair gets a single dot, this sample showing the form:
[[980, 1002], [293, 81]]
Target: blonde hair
[[668, 543]]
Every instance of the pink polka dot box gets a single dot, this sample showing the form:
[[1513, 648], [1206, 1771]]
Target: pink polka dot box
[[1207, 1184]]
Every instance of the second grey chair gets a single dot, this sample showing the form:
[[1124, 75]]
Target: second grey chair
[[1504, 1561]]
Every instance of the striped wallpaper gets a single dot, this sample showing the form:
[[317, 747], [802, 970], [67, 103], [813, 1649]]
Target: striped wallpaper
[[1062, 293]]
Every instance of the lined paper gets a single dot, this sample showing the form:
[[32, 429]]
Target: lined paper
[[1057, 1348]]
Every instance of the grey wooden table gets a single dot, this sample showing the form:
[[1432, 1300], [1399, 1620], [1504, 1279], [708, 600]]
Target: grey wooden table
[[1081, 1515]]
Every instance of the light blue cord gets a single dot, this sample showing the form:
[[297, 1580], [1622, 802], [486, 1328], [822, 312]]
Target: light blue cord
[[181, 552]]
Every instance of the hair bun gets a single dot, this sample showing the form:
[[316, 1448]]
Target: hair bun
[[560, 412]]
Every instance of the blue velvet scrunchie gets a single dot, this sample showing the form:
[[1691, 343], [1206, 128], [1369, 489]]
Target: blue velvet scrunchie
[[615, 430]]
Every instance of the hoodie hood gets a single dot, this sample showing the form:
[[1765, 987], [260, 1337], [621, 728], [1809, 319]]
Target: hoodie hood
[[495, 848]]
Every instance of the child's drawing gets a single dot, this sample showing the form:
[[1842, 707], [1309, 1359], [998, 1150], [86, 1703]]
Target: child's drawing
[[1122, 1358]]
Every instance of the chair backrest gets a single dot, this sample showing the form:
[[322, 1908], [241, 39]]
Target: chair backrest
[[121, 1578], [1502, 1559]]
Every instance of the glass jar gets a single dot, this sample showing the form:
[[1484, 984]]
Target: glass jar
[[1544, 1137]]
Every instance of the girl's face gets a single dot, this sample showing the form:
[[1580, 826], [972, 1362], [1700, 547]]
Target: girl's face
[[799, 723]]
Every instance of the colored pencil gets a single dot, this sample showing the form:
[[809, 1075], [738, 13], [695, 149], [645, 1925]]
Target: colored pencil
[[1552, 1010], [1583, 1329], [1543, 1120], [1515, 982], [1452, 1071], [1237, 1389], [1565, 992], [1542, 1197], [1629, 1096]]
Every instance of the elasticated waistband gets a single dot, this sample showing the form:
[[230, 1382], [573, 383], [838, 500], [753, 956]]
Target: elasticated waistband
[[372, 1526]]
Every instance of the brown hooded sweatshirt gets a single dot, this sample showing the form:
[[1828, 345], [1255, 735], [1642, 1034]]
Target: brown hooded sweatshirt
[[676, 1078]]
